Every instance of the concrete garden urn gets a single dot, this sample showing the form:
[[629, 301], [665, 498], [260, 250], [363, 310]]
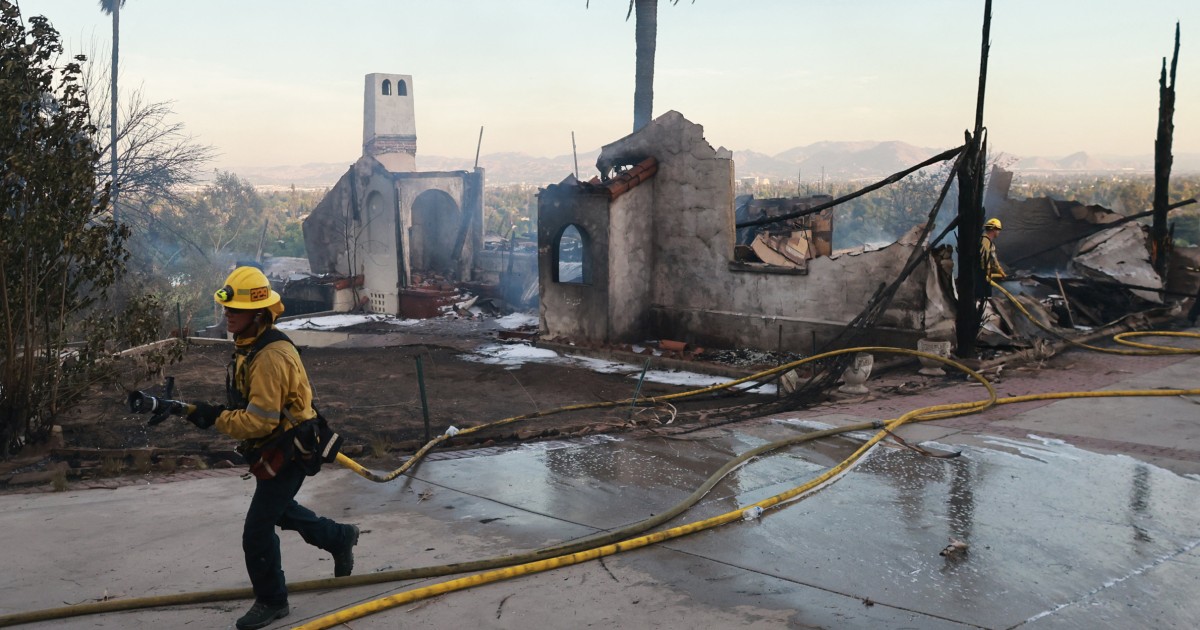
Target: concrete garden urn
[[857, 374], [936, 347]]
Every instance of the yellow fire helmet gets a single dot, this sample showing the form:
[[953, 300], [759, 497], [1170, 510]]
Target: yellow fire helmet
[[246, 288], [993, 224]]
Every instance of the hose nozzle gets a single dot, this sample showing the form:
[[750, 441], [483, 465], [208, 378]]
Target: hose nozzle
[[160, 408]]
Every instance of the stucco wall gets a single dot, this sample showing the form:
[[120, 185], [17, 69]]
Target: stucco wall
[[376, 244], [630, 264], [471, 233], [692, 210], [324, 229], [573, 311], [411, 186]]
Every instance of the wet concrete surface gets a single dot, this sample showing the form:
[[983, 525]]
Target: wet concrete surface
[[1047, 524], [1058, 536]]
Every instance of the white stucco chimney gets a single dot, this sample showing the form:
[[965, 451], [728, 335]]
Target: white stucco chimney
[[389, 121]]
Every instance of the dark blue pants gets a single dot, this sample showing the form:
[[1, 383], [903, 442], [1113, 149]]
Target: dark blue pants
[[274, 504]]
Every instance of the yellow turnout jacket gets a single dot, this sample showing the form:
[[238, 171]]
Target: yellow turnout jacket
[[987, 260], [275, 385]]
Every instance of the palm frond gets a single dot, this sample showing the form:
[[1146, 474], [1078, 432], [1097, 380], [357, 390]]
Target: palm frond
[[107, 6]]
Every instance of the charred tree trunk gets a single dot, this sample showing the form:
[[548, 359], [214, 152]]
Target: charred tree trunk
[[970, 210], [1162, 161]]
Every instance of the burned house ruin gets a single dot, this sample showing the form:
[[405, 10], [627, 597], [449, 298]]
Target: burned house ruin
[[1091, 264], [649, 250], [388, 227]]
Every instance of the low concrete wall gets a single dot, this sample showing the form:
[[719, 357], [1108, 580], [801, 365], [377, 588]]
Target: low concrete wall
[[490, 264], [197, 341], [724, 329], [316, 338]]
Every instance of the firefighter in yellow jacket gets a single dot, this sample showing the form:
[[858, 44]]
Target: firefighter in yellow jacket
[[269, 394], [989, 265]]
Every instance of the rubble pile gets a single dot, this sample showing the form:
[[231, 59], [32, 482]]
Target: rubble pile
[[747, 357]]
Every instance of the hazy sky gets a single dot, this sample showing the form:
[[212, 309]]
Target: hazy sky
[[275, 82]]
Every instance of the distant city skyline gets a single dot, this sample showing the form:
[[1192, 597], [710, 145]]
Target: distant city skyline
[[277, 83]]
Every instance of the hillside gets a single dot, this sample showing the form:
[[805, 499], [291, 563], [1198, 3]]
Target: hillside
[[831, 160]]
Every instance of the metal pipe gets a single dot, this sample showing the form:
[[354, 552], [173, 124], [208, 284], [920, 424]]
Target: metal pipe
[[638, 390], [424, 404]]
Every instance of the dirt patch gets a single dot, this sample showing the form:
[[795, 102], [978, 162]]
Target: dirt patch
[[372, 395]]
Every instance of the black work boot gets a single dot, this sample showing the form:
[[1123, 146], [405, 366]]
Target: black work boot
[[261, 615], [343, 559]]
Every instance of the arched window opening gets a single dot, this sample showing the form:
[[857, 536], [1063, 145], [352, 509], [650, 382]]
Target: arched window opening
[[387, 87], [401, 88], [572, 256]]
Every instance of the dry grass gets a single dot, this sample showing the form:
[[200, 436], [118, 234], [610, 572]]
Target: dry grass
[[142, 462], [380, 445], [59, 481], [112, 466]]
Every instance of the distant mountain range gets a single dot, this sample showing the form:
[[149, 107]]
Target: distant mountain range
[[831, 160]]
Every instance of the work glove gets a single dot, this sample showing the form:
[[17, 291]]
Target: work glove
[[205, 415]]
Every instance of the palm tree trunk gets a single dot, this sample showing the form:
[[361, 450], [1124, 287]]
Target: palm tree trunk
[[645, 34], [116, 23]]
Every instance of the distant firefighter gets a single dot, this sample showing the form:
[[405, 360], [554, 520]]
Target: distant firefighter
[[989, 266]]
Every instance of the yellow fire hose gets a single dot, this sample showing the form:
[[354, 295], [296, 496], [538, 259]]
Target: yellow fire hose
[[397, 575], [1145, 350], [420, 454], [607, 548], [918, 415], [399, 599], [416, 457], [505, 561], [925, 414]]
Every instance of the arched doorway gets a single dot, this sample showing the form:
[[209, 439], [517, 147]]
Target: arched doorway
[[435, 222]]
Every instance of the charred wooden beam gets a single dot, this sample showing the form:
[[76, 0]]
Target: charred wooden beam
[[970, 226], [970, 210], [890, 179], [1105, 284]]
